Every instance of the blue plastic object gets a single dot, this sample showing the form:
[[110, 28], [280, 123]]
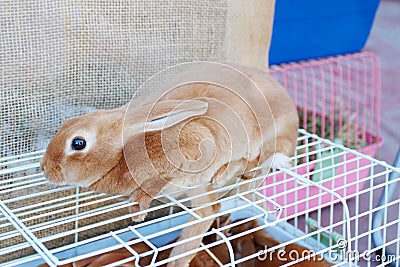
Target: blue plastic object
[[305, 29], [386, 197]]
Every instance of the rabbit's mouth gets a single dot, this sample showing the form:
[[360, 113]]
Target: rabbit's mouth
[[52, 171], [53, 174]]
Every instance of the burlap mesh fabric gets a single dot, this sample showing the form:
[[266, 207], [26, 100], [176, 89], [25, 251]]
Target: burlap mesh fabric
[[63, 58]]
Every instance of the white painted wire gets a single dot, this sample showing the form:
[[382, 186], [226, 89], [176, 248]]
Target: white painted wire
[[129, 248], [252, 199], [151, 245], [228, 244], [38, 246]]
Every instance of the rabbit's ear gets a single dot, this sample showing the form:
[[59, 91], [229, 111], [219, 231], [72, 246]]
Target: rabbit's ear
[[162, 115]]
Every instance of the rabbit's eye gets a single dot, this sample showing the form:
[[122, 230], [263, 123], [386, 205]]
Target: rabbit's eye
[[78, 144]]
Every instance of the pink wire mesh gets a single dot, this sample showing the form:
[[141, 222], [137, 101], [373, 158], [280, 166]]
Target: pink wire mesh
[[338, 98]]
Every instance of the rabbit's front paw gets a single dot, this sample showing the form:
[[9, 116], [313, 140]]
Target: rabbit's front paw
[[142, 200], [278, 161], [136, 209]]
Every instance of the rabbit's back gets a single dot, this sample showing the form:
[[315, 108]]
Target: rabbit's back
[[243, 127]]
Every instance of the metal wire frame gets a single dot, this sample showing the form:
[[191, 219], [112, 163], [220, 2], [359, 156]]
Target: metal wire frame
[[347, 213], [338, 97]]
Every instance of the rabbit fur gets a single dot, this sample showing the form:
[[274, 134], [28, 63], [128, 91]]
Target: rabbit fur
[[198, 136]]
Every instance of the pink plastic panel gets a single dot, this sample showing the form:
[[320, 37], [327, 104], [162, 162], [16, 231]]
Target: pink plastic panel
[[294, 197]]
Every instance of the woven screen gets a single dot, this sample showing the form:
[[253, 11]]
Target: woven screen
[[62, 58]]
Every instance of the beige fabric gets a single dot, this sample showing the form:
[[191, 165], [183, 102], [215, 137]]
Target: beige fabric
[[63, 58], [249, 31]]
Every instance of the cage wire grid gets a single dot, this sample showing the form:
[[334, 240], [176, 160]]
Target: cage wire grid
[[337, 97], [65, 58], [351, 219], [346, 87]]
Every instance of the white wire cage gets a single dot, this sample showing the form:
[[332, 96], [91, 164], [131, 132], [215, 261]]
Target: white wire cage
[[340, 230], [52, 49], [330, 195]]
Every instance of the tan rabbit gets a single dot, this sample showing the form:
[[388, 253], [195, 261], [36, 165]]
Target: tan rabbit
[[197, 135]]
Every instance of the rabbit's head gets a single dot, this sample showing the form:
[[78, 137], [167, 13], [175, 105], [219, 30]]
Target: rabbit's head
[[85, 148], [90, 147]]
